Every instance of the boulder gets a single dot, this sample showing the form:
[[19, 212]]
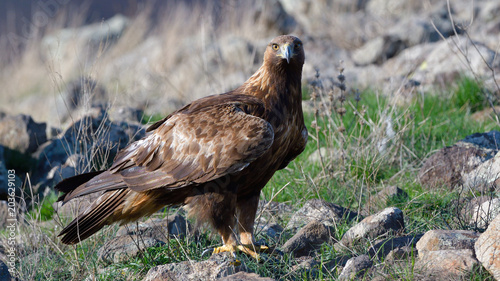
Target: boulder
[[21, 133], [94, 137], [487, 248]]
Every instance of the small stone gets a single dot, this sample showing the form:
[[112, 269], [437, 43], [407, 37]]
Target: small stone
[[388, 220], [355, 267], [483, 214], [307, 239]]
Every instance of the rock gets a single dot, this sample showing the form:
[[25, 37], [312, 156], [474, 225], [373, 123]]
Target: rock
[[447, 252], [61, 45], [4, 272], [21, 133], [94, 137], [383, 248], [484, 176], [84, 92], [388, 220], [158, 229], [378, 50], [443, 64], [356, 268], [217, 266], [488, 140], [446, 166], [446, 264], [325, 212], [487, 248], [307, 239], [123, 248], [435, 240], [483, 214], [245, 276], [125, 114], [271, 230]]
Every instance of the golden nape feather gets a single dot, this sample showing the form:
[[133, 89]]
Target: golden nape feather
[[214, 156]]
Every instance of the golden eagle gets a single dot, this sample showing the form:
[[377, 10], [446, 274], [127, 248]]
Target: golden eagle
[[214, 156]]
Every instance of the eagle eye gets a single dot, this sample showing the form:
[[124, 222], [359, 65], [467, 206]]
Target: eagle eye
[[298, 45], [276, 47]]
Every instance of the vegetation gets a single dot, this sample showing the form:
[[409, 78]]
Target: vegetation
[[367, 143]]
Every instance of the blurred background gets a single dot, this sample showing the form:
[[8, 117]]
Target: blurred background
[[159, 55]]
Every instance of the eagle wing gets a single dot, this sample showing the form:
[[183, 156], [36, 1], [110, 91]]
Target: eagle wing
[[194, 145]]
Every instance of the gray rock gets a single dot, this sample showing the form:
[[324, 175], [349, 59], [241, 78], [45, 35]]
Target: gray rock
[[383, 248], [487, 248], [271, 230], [123, 248], [21, 133], [245, 276], [488, 140], [356, 268], [94, 137], [158, 229], [4, 272], [378, 50], [435, 240], [325, 212], [387, 221], [307, 239], [61, 45], [217, 266], [125, 114]]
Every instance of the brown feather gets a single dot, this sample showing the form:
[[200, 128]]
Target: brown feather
[[214, 154]]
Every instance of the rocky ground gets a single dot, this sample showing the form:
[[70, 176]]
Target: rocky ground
[[61, 118]]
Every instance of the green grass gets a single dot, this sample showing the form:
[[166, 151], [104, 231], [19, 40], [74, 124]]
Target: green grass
[[429, 123]]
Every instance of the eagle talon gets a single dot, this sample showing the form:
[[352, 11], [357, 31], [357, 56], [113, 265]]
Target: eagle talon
[[207, 251]]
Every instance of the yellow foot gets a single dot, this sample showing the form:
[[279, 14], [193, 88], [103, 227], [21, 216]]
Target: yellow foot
[[251, 250]]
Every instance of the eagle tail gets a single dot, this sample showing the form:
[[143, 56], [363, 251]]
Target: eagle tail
[[95, 218], [70, 184]]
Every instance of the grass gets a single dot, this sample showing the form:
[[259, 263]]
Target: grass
[[424, 126]]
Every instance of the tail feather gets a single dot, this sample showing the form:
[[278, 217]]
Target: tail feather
[[96, 218], [70, 184]]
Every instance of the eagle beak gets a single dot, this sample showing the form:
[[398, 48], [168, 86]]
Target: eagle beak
[[286, 52]]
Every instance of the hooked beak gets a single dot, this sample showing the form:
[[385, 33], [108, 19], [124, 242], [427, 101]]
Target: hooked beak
[[286, 52]]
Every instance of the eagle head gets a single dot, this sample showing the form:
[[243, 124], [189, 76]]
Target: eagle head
[[285, 50]]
